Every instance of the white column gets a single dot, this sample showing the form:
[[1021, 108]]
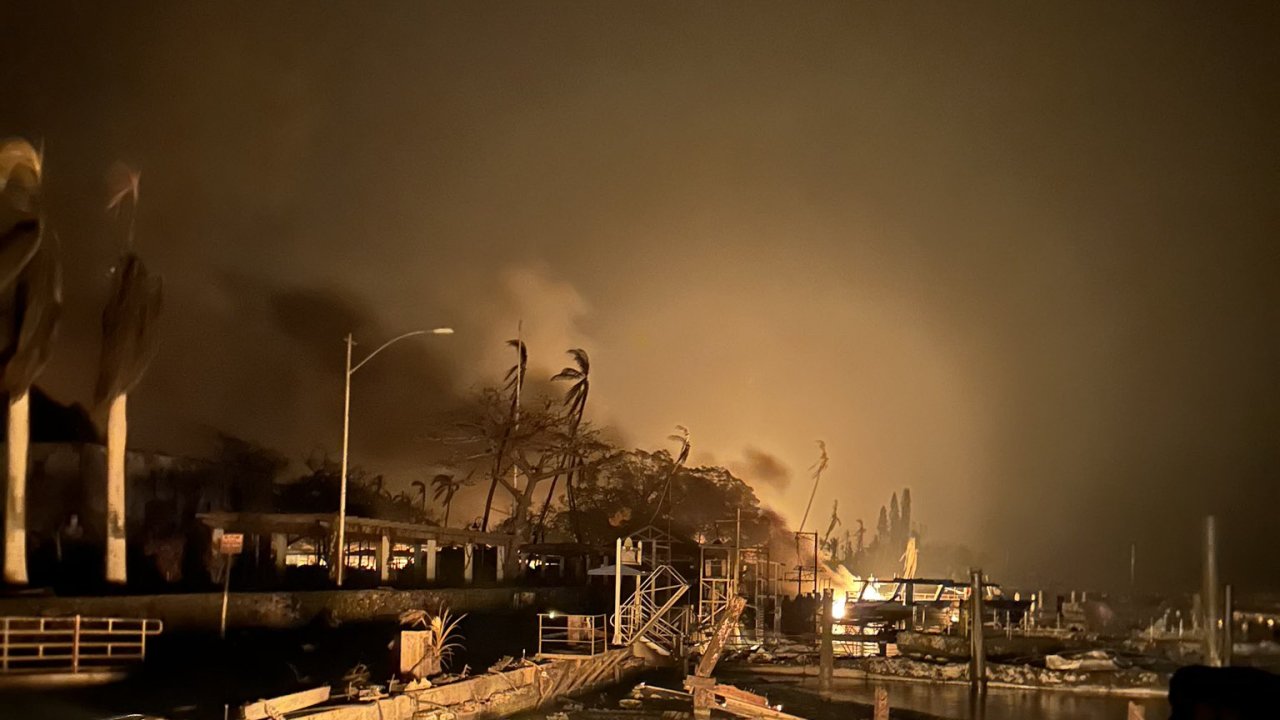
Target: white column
[[468, 563], [431, 560], [384, 557], [279, 550], [117, 433], [502, 558], [15, 508]]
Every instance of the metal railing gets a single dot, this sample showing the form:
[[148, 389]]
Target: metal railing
[[73, 644], [560, 634], [651, 612]]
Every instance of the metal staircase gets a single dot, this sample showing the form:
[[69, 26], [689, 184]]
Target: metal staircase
[[652, 616]]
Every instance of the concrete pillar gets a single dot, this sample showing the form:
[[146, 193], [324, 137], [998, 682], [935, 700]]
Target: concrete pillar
[[431, 560], [468, 563], [502, 559], [384, 558], [279, 550]]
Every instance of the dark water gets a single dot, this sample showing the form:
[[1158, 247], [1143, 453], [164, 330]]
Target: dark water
[[946, 701]]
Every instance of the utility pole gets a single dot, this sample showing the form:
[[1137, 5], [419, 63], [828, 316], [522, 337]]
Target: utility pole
[[341, 561], [826, 652], [342, 491], [1212, 615], [977, 644], [1228, 632]]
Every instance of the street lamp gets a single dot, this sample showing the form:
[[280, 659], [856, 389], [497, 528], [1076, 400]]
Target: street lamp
[[346, 428]]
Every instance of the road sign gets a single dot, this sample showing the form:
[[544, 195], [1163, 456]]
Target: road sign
[[231, 543]]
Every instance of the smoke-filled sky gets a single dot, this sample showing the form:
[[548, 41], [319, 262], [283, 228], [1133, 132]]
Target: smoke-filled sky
[[1021, 259]]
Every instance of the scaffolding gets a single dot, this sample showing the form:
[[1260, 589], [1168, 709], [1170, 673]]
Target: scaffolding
[[805, 574], [726, 569]]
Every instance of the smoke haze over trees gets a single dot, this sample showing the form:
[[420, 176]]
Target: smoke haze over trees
[[902, 230]]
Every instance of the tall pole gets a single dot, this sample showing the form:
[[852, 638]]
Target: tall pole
[[226, 592], [737, 550], [617, 592], [342, 492], [1212, 613], [1228, 631], [977, 644]]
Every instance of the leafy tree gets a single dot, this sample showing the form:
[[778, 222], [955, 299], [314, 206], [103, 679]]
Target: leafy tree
[[906, 511], [615, 499], [895, 522], [533, 448], [882, 527]]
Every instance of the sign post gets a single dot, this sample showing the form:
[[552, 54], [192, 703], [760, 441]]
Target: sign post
[[230, 545]]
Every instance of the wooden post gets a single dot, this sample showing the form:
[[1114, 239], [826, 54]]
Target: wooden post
[[882, 703], [431, 560], [826, 652], [502, 560], [1228, 632], [815, 563], [977, 645], [75, 644], [384, 558], [226, 592], [1212, 642], [468, 563]]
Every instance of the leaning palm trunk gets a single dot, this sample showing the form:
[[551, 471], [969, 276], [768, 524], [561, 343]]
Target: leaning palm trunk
[[117, 434], [30, 301], [128, 344], [15, 516]]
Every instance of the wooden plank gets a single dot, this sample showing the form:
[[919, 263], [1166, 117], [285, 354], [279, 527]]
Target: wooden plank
[[715, 646], [729, 691], [747, 710], [264, 709]]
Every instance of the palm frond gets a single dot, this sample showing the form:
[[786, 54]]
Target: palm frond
[[21, 175]]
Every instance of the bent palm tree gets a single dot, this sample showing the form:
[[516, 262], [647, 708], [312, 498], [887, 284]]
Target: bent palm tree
[[515, 383], [421, 487], [817, 469], [683, 439], [445, 487], [576, 401], [30, 306], [128, 345]]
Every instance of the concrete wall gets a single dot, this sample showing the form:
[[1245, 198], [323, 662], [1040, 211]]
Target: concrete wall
[[282, 610]]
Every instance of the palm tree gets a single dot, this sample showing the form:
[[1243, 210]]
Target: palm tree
[[421, 487], [128, 345], [817, 469], [683, 439], [515, 383], [30, 303], [445, 487], [575, 400]]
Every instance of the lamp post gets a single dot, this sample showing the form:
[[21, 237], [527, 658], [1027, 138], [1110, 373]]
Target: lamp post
[[346, 429]]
